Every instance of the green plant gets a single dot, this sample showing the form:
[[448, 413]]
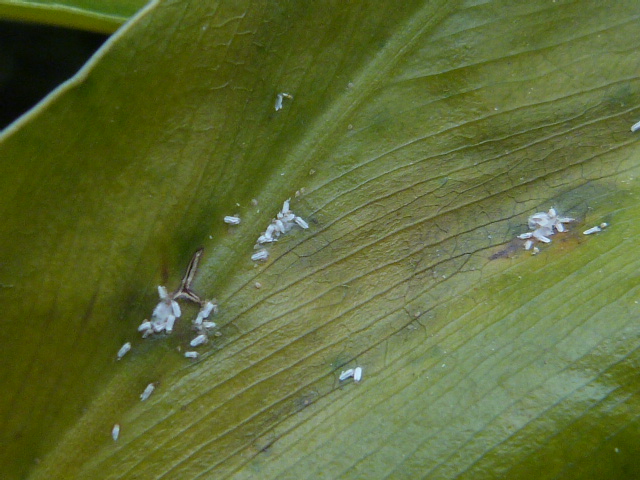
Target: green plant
[[423, 136]]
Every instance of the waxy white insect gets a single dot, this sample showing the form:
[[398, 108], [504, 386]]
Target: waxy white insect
[[208, 325], [205, 311], [595, 229], [346, 374], [191, 354], [260, 255], [144, 326], [115, 432], [279, 98], [124, 349], [635, 127], [147, 392], [168, 326], [232, 220], [301, 223], [199, 340], [357, 374]]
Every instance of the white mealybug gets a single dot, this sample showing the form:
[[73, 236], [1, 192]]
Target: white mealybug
[[162, 292], [199, 340], [191, 354], [279, 226], [279, 98], [171, 320], [261, 254], [357, 374], [124, 349], [115, 432], [144, 326], [208, 325], [147, 392], [158, 325], [346, 374], [635, 127], [204, 312], [301, 223], [176, 309], [232, 220], [591, 230]]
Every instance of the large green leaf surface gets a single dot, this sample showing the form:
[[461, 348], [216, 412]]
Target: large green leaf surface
[[421, 136]]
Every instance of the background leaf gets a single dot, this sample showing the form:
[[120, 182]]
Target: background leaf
[[94, 15], [423, 138]]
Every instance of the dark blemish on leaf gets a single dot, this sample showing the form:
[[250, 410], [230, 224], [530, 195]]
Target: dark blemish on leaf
[[507, 252]]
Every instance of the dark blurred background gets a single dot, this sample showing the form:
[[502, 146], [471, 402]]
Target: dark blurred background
[[34, 59]]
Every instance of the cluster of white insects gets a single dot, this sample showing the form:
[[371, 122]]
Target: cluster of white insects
[[543, 225], [285, 220], [167, 311]]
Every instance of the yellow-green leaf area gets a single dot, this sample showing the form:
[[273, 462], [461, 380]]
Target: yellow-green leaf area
[[417, 143]]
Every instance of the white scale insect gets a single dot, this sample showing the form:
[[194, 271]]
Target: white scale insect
[[232, 220], [115, 432], [595, 229], [346, 374], [191, 354], [260, 255], [279, 97], [635, 127], [355, 373], [147, 392], [199, 340], [204, 312], [124, 349]]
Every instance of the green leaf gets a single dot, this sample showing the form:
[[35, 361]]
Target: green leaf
[[94, 15], [423, 137]]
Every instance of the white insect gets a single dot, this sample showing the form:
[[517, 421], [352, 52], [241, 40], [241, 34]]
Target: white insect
[[124, 349], [357, 374], [199, 340], [147, 392], [115, 432], [208, 325], [168, 326], [232, 220], [165, 308], [191, 354], [301, 222], [205, 311], [595, 229], [635, 127], [260, 255], [144, 326], [279, 98], [346, 374]]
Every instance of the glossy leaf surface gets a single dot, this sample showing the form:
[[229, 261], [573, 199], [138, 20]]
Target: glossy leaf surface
[[423, 137]]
